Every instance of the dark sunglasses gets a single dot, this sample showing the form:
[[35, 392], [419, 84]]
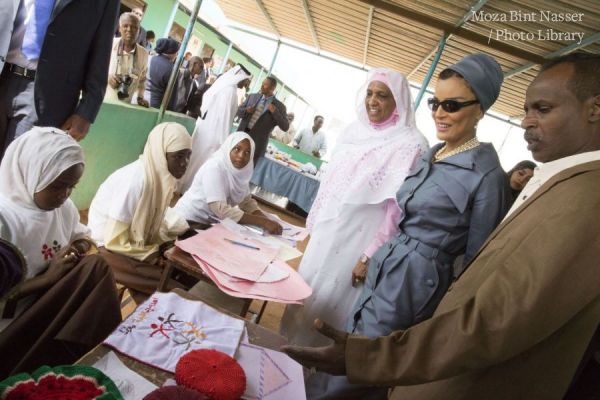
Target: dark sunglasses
[[450, 106]]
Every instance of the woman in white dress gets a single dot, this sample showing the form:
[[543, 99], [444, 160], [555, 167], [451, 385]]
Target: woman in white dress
[[221, 188], [129, 216], [66, 302], [351, 215], [219, 105]]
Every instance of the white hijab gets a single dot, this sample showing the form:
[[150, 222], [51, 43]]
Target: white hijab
[[369, 164], [159, 184], [230, 78], [219, 164], [31, 163]]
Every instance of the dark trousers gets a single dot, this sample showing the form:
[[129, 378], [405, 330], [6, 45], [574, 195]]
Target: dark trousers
[[66, 321], [17, 107]]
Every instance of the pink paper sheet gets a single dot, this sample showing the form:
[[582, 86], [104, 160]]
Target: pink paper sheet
[[235, 260], [292, 289]]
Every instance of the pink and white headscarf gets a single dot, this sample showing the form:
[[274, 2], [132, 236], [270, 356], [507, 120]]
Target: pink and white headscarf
[[370, 161]]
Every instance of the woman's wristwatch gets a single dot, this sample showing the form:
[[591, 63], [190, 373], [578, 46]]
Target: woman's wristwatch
[[364, 259]]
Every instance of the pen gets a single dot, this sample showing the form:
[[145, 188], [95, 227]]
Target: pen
[[287, 229], [241, 244], [253, 229]]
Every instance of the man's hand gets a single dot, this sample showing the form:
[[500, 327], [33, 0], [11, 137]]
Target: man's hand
[[330, 359], [250, 110], [113, 81], [272, 107], [76, 126], [142, 102], [316, 154]]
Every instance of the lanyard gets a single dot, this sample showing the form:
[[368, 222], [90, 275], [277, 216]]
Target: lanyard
[[120, 54]]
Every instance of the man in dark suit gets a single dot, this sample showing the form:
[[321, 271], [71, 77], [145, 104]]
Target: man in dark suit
[[62, 52], [206, 77], [186, 85], [260, 113]]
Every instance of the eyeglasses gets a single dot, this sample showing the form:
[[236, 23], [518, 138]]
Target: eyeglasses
[[450, 106]]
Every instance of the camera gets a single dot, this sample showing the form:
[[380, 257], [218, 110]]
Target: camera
[[123, 89]]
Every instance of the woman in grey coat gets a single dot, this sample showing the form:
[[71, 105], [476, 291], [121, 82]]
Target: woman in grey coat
[[451, 201]]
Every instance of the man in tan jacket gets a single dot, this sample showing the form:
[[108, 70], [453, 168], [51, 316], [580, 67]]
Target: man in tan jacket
[[128, 64], [517, 322]]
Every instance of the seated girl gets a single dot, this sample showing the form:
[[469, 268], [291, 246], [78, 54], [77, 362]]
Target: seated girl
[[518, 177], [127, 216], [220, 188], [67, 302]]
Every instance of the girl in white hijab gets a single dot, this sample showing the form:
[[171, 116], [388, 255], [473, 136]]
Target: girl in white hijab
[[128, 216], [355, 210], [219, 105], [221, 188], [67, 302]]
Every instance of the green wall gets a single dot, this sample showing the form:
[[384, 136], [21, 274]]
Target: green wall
[[156, 16], [116, 138]]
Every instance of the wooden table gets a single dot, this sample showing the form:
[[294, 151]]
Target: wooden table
[[256, 334], [180, 260]]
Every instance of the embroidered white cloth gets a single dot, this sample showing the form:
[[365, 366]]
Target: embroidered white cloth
[[167, 326]]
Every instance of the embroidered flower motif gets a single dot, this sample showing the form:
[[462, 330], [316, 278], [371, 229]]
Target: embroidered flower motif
[[56, 246], [47, 252], [126, 330]]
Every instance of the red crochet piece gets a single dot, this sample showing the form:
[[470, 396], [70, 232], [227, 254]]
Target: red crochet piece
[[175, 393], [56, 387], [212, 373]]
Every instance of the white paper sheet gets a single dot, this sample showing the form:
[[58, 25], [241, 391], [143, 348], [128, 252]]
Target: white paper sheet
[[290, 231], [287, 250], [131, 385], [270, 375]]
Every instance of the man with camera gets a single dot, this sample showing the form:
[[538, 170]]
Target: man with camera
[[128, 63]]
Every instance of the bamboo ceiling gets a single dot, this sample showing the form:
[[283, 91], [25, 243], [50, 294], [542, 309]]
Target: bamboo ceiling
[[404, 35]]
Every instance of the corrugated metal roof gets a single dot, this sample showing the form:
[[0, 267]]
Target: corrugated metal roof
[[404, 35]]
